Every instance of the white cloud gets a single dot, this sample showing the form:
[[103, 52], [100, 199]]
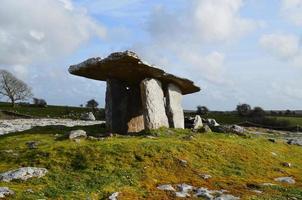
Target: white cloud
[[292, 11], [32, 31], [281, 45]]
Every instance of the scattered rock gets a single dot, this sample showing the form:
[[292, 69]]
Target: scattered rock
[[5, 191], [182, 194], [237, 129], [150, 137], [197, 122], [205, 176], [185, 187], [205, 193], [257, 191], [212, 122], [23, 173], [183, 162], [166, 187], [226, 197], [287, 164], [29, 191], [295, 142], [77, 134], [95, 138], [288, 180], [273, 140], [273, 153], [88, 116], [268, 184], [19, 125], [32, 144], [204, 129], [114, 196]]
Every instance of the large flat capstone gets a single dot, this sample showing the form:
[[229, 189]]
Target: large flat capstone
[[127, 66]]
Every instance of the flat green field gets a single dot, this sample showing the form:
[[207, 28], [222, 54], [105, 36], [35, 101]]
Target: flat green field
[[135, 166], [294, 121], [49, 111]]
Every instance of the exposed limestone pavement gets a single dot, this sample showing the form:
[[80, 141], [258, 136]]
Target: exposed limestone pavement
[[23, 173], [5, 191], [19, 125]]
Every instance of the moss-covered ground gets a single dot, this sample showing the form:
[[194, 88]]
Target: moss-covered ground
[[136, 165]]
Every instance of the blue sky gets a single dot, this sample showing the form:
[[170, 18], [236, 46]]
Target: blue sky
[[237, 51]]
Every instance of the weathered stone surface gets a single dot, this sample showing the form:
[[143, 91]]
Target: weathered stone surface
[[88, 116], [23, 173], [124, 110], [76, 134], [127, 66], [18, 125], [288, 180], [5, 191], [174, 108], [166, 187], [153, 104], [114, 196], [197, 122], [295, 142]]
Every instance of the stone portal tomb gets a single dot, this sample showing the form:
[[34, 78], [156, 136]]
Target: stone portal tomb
[[138, 95]]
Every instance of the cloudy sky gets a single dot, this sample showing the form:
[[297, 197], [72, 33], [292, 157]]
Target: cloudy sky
[[237, 51]]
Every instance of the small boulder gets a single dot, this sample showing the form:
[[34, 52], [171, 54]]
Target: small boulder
[[23, 173], [205, 176], [204, 129], [237, 129], [88, 116], [5, 191], [166, 187], [73, 135], [295, 142], [288, 180], [212, 122], [32, 144], [226, 197], [113, 196], [197, 122], [287, 164]]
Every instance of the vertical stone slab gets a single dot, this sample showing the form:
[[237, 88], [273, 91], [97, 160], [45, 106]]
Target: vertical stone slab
[[123, 110], [174, 109], [116, 106], [135, 117], [153, 104]]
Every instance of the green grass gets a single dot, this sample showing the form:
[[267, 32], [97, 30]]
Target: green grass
[[134, 166], [48, 112], [294, 121]]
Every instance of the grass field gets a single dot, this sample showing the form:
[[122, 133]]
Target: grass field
[[134, 166], [294, 121], [49, 111]]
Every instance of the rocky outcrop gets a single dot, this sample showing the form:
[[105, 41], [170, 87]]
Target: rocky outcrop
[[23, 173], [88, 116], [288, 180], [295, 142], [153, 104], [173, 105], [76, 134], [19, 125], [5, 192], [197, 122]]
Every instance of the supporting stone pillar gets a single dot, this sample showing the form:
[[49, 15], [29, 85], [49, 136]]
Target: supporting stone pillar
[[153, 104], [173, 106], [124, 112]]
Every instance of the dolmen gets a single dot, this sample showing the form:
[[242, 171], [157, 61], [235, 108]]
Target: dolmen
[[139, 96]]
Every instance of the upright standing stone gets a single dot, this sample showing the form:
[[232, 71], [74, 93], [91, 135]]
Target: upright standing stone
[[123, 110], [173, 105], [153, 104]]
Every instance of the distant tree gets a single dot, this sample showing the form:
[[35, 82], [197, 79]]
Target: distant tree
[[13, 88], [92, 104], [257, 112], [288, 112], [243, 109], [81, 105], [202, 110], [39, 102]]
